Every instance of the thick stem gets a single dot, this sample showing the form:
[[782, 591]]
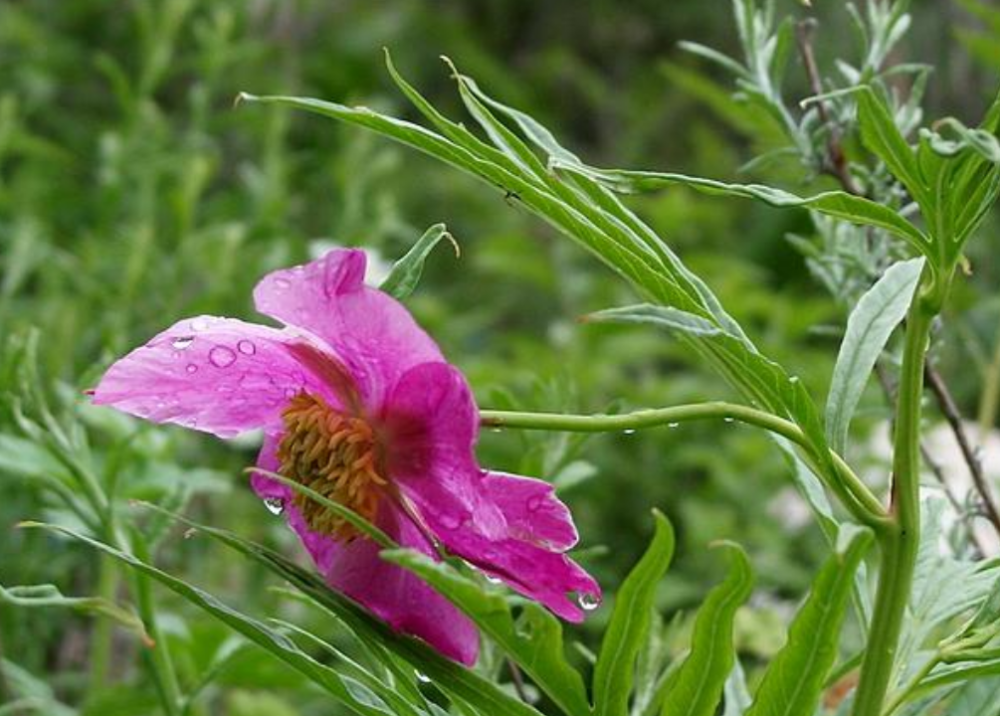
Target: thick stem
[[899, 545], [848, 487]]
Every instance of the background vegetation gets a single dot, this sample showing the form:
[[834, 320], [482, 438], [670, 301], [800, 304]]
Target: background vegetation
[[132, 194]]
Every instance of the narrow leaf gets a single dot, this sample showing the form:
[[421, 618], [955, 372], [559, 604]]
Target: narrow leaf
[[406, 272], [880, 134], [535, 643], [696, 689], [662, 316], [629, 626], [793, 682], [871, 323]]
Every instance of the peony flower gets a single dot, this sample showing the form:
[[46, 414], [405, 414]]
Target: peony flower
[[358, 403]]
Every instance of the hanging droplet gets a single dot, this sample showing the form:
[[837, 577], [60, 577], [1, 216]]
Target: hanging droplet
[[246, 347], [274, 505], [588, 602], [221, 357], [182, 342]]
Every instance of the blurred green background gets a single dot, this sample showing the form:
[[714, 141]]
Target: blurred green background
[[133, 194]]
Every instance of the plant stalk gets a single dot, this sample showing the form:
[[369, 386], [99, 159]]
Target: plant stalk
[[899, 545]]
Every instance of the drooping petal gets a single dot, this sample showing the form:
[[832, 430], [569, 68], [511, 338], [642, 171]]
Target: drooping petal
[[376, 337], [393, 594], [219, 375], [512, 527]]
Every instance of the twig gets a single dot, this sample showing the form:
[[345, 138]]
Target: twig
[[518, 679], [837, 161], [951, 413]]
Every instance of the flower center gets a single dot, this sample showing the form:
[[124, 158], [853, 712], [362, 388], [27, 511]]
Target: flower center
[[335, 455]]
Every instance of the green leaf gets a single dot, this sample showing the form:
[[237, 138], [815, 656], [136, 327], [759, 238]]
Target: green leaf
[[405, 273], [534, 642], [629, 626], [880, 134], [793, 682], [696, 688], [870, 324], [48, 595], [837, 204], [661, 316]]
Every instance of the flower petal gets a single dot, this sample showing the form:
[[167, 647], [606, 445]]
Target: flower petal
[[219, 375], [375, 335], [392, 593], [512, 527]]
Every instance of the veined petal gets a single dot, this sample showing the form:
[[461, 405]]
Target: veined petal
[[512, 527], [392, 593], [219, 375], [375, 335]]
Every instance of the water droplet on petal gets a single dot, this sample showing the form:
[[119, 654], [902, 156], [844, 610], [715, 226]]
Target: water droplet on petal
[[451, 522], [221, 357], [191, 368], [199, 324], [274, 505], [182, 342], [588, 602], [246, 348], [534, 503], [282, 283], [672, 425], [290, 392]]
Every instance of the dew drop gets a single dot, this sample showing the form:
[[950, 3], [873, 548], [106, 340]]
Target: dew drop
[[282, 283], [422, 677], [290, 392], [274, 505], [534, 503], [246, 348], [451, 522], [199, 324], [727, 419], [628, 431], [182, 343], [672, 425], [221, 357], [493, 580], [191, 368], [588, 602]]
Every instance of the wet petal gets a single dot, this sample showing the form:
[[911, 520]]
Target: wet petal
[[393, 594], [376, 336], [512, 527], [219, 375]]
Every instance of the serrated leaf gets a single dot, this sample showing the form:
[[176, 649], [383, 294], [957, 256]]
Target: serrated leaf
[[880, 135], [534, 642], [869, 327], [405, 273], [696, 688], [629, 626], [793, 682]]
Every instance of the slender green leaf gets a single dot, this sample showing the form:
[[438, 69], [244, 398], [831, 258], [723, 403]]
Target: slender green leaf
[[871, 323], [696, 688], [406, 272], [662, 316], [629, 626], [880, 134], [793, 682], [535, 642]]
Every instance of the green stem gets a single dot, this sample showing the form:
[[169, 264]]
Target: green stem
[[101, 641], [854, 494], [904, 693], [899, 545]]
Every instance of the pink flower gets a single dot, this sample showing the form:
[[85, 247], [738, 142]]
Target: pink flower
[[357, 402]]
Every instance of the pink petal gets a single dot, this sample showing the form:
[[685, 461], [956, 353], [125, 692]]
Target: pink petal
[[375, 335], [393, 594], [512, 527], [219, 375]]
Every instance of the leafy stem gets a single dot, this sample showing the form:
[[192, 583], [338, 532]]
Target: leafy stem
[[848, 487], [899, 544]]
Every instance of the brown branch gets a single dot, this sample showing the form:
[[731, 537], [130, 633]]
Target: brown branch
[[837, 164], [954, 417]]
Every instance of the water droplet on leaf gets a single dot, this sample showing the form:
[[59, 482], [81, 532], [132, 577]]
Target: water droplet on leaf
[[246, 348], [728, 419], [588, 602], [672, 425], [221, 357], [422, 677], [274, 505], [629, 431], [182, 342]]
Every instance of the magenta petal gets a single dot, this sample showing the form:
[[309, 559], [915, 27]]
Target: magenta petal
[[510, 526], [376, 336], [393, 594], [219, 375], [532, 510]]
